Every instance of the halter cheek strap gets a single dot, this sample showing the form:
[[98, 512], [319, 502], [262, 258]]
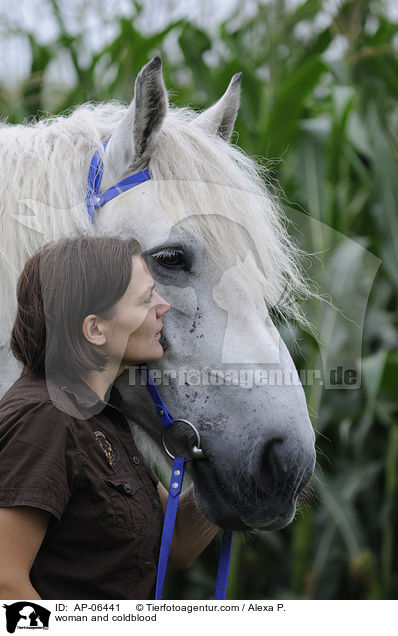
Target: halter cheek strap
[[96, 200]]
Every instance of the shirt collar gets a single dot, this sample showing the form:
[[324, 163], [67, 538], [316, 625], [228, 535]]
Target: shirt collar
[[78, 399]]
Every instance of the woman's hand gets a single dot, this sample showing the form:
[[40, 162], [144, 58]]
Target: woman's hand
[[192, 531]]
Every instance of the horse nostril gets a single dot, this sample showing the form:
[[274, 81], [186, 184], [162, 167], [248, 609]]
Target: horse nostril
[[272, 469]]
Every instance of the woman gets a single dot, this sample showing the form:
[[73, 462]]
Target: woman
[[81, 513]]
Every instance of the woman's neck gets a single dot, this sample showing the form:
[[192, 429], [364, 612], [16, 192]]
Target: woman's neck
[[100, 381]]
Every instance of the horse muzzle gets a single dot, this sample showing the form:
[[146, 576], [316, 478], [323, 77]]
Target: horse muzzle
[[257, 488]]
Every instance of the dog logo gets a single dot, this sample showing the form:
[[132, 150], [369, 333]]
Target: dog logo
[[26, 615]]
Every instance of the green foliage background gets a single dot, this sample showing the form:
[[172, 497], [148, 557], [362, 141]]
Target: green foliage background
[[334, 124]]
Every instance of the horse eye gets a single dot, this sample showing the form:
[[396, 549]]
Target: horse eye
[[170, 257]]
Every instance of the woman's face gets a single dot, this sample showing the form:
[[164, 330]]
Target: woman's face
[[133, 333]]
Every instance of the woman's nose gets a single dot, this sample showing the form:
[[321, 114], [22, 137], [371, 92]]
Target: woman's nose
[[162, 306]]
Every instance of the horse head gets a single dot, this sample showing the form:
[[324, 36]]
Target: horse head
[[215, 242]]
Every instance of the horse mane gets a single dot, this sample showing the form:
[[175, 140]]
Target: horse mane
[[43, 176]]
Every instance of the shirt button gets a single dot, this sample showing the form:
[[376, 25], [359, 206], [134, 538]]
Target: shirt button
[[127, 487], [135, 460], [155, 503]]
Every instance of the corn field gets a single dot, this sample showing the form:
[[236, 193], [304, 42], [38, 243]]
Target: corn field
[[319, 109]]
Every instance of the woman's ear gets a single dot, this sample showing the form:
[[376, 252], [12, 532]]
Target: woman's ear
[[93, 330]]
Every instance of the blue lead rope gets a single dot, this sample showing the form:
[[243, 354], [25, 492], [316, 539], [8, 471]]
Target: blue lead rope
[[223, 565], [169, 522], [172, 505]]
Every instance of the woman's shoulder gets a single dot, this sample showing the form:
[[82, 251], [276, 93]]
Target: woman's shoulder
[[28, 396], [27, 389], [30, 424]]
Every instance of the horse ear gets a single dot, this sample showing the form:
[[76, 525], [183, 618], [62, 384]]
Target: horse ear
[[220, 118], [130, 146]]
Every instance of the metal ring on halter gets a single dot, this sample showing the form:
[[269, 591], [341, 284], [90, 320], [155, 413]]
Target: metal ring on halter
[[196, 450]]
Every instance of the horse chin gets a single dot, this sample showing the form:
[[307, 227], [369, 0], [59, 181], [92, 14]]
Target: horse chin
[[277, 522], [222, 514]]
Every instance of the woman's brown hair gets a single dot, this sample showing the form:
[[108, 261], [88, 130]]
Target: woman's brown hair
[[59, 286]]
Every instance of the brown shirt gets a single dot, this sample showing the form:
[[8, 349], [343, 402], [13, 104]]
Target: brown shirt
[[64, 450]]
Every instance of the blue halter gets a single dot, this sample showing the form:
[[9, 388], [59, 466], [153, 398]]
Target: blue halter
[[96, 200]]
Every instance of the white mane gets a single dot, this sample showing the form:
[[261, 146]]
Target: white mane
[[44, 174], [43, 180]]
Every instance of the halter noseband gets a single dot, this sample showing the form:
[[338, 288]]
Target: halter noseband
[[96, 200]]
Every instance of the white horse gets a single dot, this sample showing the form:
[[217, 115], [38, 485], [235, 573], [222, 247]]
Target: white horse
[[215, 242]]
